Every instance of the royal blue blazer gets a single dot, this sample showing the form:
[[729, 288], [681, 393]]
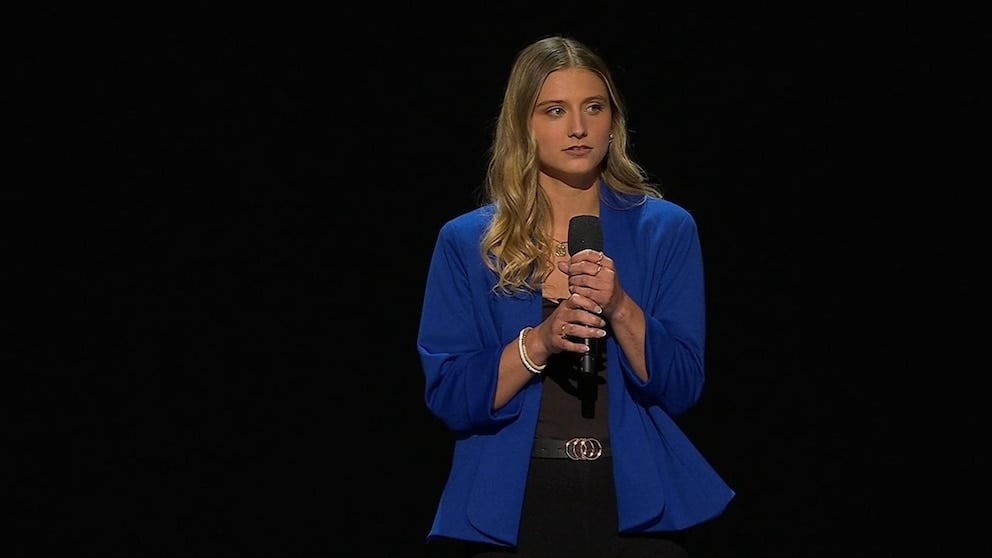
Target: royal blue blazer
[[662, 481]]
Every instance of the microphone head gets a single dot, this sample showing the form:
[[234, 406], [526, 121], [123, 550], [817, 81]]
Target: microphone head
[[584, 231]]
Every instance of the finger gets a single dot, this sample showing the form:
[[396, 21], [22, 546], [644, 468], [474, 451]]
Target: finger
[[587, 254], [574, 334], [571, 331], [582, 306], [591, 287]]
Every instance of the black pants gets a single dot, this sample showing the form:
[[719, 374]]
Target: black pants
[[570, 511]]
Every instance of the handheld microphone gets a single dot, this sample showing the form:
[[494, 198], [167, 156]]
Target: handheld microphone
[[585, 231]]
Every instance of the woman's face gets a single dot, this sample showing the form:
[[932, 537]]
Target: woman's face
[[572, 121]]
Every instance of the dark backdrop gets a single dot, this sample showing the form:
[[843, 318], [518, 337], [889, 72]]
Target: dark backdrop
[[231, 212]]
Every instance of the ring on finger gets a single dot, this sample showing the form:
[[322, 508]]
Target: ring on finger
[[563, 330]]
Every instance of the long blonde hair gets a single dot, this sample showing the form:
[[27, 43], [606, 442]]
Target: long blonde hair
[[517, 244]]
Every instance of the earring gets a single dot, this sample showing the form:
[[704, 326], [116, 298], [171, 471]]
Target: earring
[[611, 138]]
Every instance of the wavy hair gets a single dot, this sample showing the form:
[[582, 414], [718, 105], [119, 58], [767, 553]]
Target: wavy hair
[[517, 245]]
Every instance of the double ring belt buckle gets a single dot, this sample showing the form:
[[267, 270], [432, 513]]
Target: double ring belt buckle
[[583, 449]]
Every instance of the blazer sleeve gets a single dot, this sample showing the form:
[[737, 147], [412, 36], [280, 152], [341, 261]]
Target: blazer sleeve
[[671, 293], [458, 343]]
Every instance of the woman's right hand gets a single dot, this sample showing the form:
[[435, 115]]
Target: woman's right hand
[[575, 319]]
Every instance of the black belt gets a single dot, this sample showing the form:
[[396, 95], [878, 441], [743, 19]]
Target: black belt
[[576, 449]]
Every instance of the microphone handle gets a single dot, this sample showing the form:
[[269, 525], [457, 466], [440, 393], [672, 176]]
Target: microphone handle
[[587, 360]]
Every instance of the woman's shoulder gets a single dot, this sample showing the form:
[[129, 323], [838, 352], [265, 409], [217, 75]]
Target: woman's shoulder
[[472, 218], [469, 224], [665, 208], [642, 205], [647, 210]]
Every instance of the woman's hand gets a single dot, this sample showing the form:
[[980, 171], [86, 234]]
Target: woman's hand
[[595, 291], [592, 276]]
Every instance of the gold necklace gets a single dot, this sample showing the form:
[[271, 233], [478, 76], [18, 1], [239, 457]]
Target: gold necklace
[[561, 248]]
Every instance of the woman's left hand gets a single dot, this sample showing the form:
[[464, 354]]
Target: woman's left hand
[[591, 274]]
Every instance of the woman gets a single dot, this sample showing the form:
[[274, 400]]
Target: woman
[[552, 458]]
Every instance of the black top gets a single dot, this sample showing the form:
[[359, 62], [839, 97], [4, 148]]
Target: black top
[[573, 404]]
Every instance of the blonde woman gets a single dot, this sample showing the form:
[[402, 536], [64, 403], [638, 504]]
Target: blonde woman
[[560, 369]]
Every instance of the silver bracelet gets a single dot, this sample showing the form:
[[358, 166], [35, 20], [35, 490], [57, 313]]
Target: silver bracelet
[[535, 369]]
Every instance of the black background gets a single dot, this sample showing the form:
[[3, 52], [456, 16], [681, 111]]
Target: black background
[[228, 214]]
